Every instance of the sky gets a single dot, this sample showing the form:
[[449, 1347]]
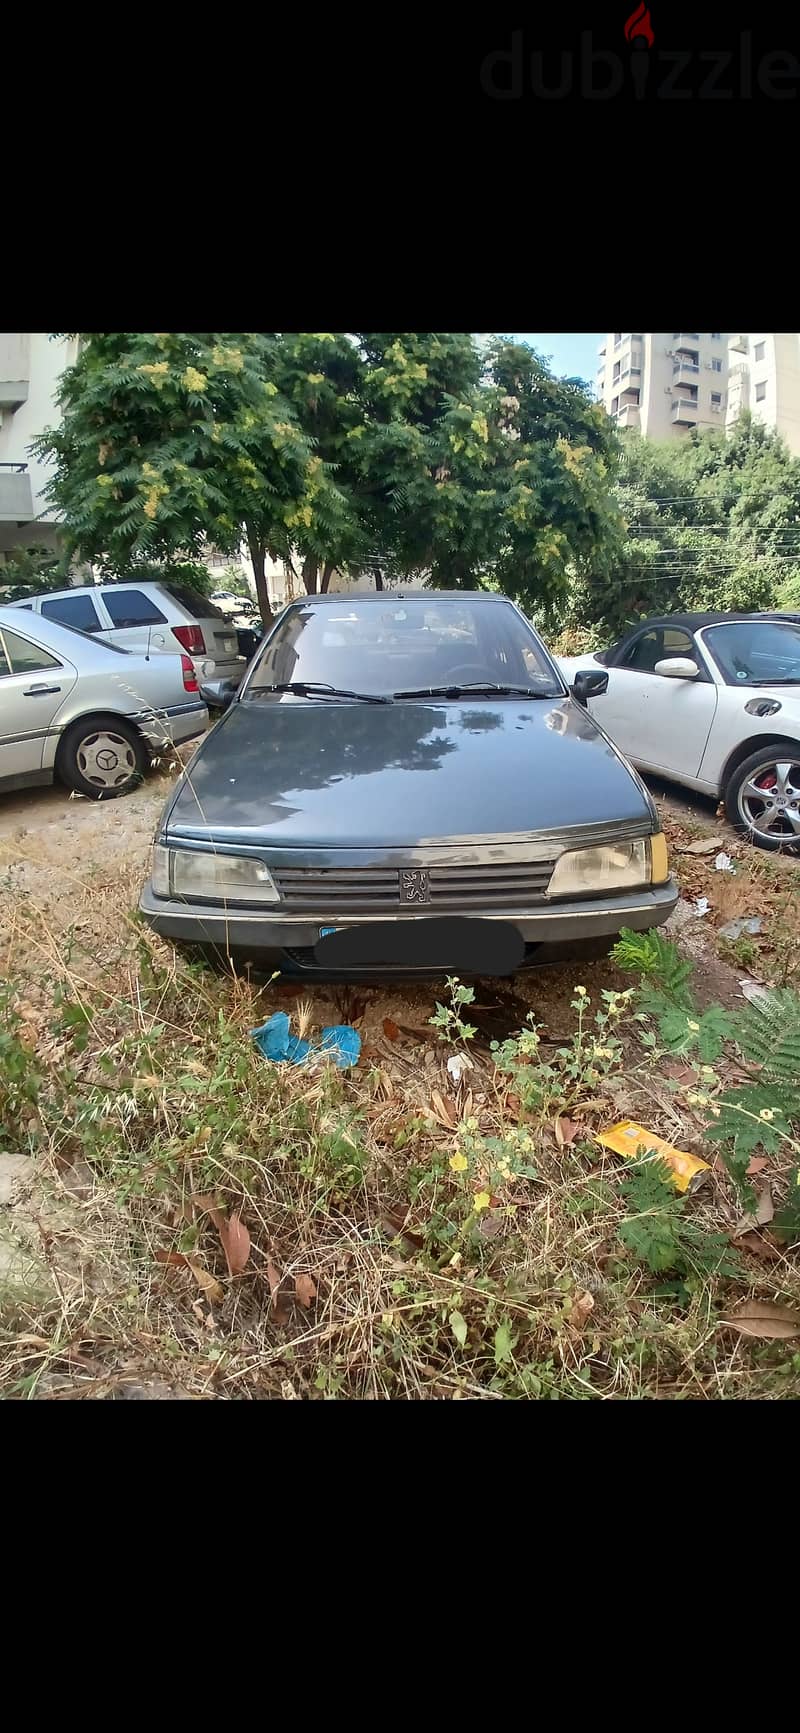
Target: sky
[[573, 353]]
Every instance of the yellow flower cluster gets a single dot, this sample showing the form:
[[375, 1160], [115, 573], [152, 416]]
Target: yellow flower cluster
[[193, 380], [232, 359], [156, 369]]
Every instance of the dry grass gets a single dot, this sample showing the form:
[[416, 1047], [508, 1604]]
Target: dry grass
[[370, 1275]]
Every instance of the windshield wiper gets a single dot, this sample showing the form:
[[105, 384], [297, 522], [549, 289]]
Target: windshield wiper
[[487, 686], [320, 689]]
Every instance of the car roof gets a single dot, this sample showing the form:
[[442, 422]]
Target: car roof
[[52, 635], [694, 622]]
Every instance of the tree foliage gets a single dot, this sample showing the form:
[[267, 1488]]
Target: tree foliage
[[28, 571], [415, 452], [711, 521], [171, 437]]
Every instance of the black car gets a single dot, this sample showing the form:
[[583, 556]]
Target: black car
[[406, 785]]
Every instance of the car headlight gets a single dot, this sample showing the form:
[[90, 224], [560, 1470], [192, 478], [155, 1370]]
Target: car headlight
[[206, 877], [613, 866]]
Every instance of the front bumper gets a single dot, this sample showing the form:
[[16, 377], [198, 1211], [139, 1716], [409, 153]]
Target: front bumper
[[284, 938]]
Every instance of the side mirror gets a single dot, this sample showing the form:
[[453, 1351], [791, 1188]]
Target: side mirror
[[677, 668], [218, 694], [589, 683]]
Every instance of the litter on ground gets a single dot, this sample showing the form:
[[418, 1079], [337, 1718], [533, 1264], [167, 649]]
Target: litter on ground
[[724, 864], [274, 1039], [632, 1140], [735, 929]]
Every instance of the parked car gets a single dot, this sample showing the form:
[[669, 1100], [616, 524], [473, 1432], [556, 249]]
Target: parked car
[[149, 617], [230, 603], [85, 713], [405, 786], [713, 701]]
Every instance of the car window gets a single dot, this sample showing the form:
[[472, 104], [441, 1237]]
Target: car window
[[78, 610], [399, 646], [5, 666], [200, 607], [643, 653], [132, 608], [677, 643], [757, 652], [22, 657]]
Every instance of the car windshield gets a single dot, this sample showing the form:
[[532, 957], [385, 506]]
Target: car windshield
[[385, 647], [757, 652]]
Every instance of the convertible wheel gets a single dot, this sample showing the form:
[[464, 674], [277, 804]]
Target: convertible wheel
[[102, 758], [762, 798]]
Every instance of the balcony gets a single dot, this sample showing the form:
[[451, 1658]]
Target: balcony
[[739, 342], [16, 498], [685, 372], [14, 369], [685, 411], [628, 415]]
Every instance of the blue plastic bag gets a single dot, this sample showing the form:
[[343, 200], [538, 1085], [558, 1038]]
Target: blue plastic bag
[[275, 1040]]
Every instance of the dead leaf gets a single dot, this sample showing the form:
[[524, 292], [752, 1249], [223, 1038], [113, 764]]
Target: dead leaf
[[758, 1164], [444, 1109], [566, 1130], [762, 1318], [758, 1246], [211, 1287], [274, 1278], [704, 845], [235, 1244], [32, 1342], [176, 1258], [757, 1218], [206, 1201], [679, 1073], [305, 1290], [584, 1304], [390, 1029]]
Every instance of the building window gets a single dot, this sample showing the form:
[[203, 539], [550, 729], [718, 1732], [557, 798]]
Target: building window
[[761, 391], [758, 352], [716, 336], [614, 405], [716, 397], [716, 366]]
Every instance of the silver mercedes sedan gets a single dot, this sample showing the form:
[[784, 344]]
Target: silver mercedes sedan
[[86, 713]]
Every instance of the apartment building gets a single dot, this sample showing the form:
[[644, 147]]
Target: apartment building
[[764, 377], [31, 363], [664, 382]]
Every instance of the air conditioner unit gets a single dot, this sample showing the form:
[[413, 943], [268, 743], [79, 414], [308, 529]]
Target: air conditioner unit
[[669, 351], [668, 389]]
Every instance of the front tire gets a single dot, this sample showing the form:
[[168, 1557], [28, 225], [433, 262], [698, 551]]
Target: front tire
[[762, 798], [102, 757]]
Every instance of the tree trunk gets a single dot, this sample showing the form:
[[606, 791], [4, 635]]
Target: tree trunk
[[327, 573], [258, 556], [310, 569], [378, 579]]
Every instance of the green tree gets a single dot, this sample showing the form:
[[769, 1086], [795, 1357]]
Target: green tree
[[26, 571], [169, 438], [710, 523]]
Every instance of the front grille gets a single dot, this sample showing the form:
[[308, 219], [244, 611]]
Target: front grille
[[321, 890]]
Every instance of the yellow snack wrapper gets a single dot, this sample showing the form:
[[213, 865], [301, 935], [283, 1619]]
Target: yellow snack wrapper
[[630, 1139]]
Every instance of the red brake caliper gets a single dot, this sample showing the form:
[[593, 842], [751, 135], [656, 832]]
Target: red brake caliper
[[768, 782]]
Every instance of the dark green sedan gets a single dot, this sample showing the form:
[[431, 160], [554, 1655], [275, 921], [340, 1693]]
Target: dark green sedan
[[404, 785]]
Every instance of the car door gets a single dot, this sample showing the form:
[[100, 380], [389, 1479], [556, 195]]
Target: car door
[[137, 622], [33, 686], [659, 722]]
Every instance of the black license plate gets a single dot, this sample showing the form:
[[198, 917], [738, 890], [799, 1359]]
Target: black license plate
[[455, 943]]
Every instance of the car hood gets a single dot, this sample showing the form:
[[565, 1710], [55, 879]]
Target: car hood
[[295, 773]]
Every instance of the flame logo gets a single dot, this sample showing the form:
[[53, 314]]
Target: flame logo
[[638, 25]]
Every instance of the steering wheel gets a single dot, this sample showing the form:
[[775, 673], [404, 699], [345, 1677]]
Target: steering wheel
[[468, 671]]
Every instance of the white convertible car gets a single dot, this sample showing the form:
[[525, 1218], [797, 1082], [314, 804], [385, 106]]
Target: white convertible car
[[713, 701]]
